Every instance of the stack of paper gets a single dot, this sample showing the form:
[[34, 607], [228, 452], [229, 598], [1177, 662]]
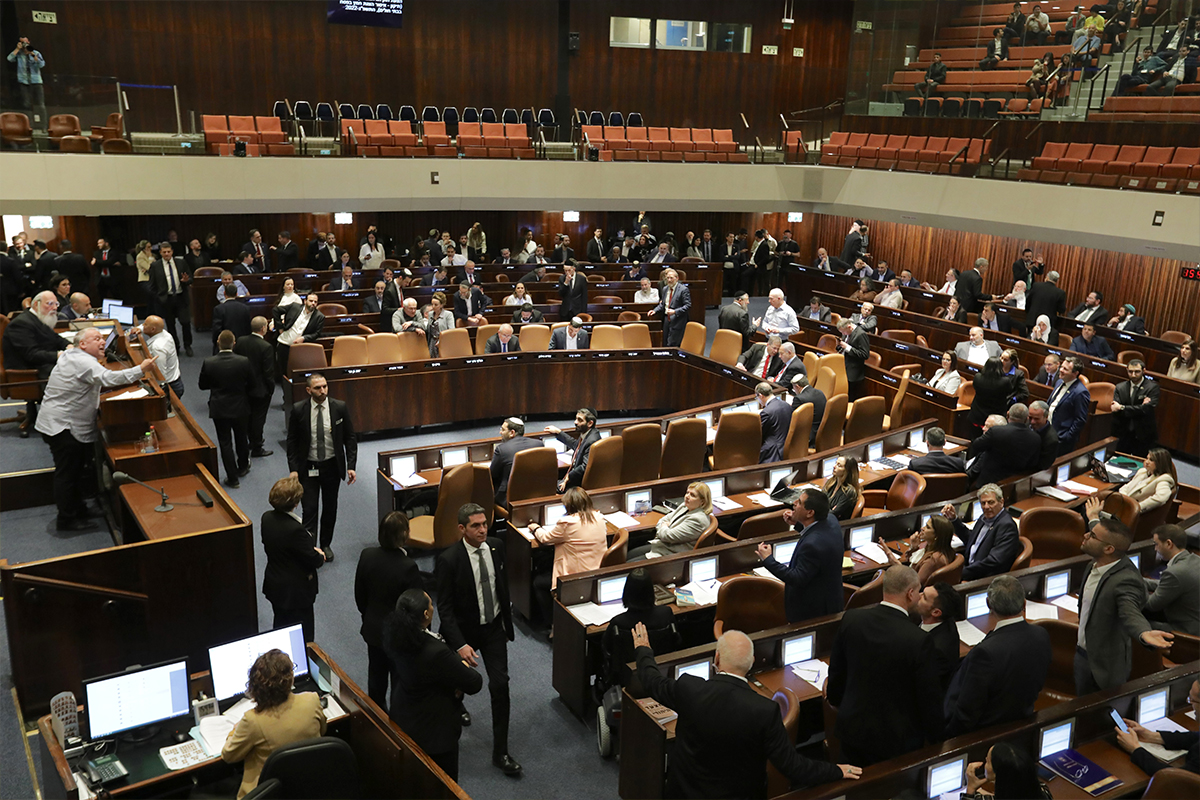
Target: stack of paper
[[332, 709], [1040, 610], [214, 731], [1119, 472], [1157, 750], [764, 499], [409, 481], [1068, 602], [872, 551], [968, 634], [524, 531], [564, 459], [814, 671], [704, 592], [921, 447], [1074, 487], [725, 504], [132, 394], [594, 613], [621, 519], [763, 572]]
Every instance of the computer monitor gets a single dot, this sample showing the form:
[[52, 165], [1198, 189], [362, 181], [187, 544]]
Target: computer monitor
[[1063, 475], [1057, 584], [862, 535], [122, 314], [137, 698], [230, 663], [699, 669], [402, 466], [638, 502], [106, 305], [976, 511], [110, 339], [1152, 705], [453, 456], [925, 520], [798, 648], [716, 486], [1102, 454], [977, 604], [609, 590], [1055, 738], [707, 416], [874, 451], [783, 551], [946, 777], [553, 513], [702, 569], [605, 433], [776, 475], [1136, 559], [916, 438], [827, 466]]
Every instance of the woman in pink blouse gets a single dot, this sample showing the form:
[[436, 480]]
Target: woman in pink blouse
[[579, 538]]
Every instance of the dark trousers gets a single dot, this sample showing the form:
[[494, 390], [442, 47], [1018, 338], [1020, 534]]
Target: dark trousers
[[234, 446], [177, 308], [259, 406], [448, 761], [282, 351], [673, 331], [321, 492], [1085, 682], [492, 643], [856, 389], [177, 386], [33, 97], [302, 616], [70, 467], [379, 671]]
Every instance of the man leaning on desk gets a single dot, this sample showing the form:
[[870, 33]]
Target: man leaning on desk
[[812, 579], [726, 731]]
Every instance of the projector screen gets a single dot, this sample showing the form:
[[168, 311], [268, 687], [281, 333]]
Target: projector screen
[[379, 13]]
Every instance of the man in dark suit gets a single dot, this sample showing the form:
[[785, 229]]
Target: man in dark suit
[[232, 315], [535, 275], [804, 393], [383, 574], [1026, 267], [505, 258], [936, 461], [852, 247], [261, 355], [935, 76], [1089, 344], [662, 255], [855, 347], [329, 255], [105, 260], [707, 248], [573, 290], [989, 320], [527, 313], [775, 416], [1039, 421], [393, 295], [169, 282], [512, 441], [373, 303], [729, 256], [290, 578], [996, 50], [439, 277], [344, 282], [314, 249], [287, 255], [45, 265], [262, 260], [469, 275], [675, 304], [322, 451], [735, 317], [1134, 409], [726, 732], [791, 365], [581, 443], [502, 341], [563, 254], [245, 265], [1004, 450], [1090, 310], [1001, 677], [873, 643], [812, 580], [1069, 404], [939, 608], [1125, 320], [31, 343], [993, 544], [596, 249], [816, 310], [469, 304], [1047, 375], [762, 359], [229, 379], [74, 267], [1045, 298], [476, 616], [969, 289]]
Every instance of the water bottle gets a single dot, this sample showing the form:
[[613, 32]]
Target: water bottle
[[153, 440]]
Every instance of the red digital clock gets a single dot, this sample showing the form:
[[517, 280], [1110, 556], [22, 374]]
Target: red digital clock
[[1191, 273]]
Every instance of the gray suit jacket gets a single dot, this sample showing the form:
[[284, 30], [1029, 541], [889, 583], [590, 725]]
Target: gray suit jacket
[[1114, 621], [1176, 595], [963, 348]]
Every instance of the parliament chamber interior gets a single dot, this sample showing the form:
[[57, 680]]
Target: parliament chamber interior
[[850, 347]]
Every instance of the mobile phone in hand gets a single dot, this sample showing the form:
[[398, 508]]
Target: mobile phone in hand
[[1117, 719]]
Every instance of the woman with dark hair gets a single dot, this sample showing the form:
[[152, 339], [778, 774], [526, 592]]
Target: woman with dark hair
[[212, 247], [1058, 89], [933, 548], [1010, 364], [278, 717], [1185, 366], [426, 679], [61, 286], [1154, 484], [638, 599], [290, 578], [843, 488], [1013, 772], [947, 379], [384, 573], [954, 311], [992, 390], [1117, 25], [1039, 75]]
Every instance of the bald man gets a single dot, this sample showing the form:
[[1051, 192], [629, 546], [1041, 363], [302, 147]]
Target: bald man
[[79, 307], [726, 731], [162, 346], [503, 341]]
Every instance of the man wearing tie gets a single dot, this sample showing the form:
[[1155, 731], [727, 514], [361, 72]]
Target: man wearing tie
[[476, 616], [169, 281], [707, 246], [322, 450], [1069, 403], [595, 247], [505, 258], [286, 253], [104, 260], [469, 304], [586, 435], [675, 304], [254, 247], [573, 290], [468, 275], [502, 341]]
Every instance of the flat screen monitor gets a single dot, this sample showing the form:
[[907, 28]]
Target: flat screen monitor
[[637, 502], [1136, 559], [377, 13], [402, 466], [610, 590], [783, 551], [230, 663], [874, 451], [862, 535], [776, 475], [134, 699], [1152, 705], [798, 648], [716, 486], [1102, 454], [925, 519], [946, 777], [553, 513], [108, 341], [976, 511], [1063, 475], [827, 466], [453, 456], [707, 416], [106, 305], [702, 569], [1055, 738], [699, 669], [1058, 584], [977, 605], [604, 434], [122, 314], [916, 438]]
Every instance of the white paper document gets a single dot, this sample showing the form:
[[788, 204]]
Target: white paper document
[[814, 671], [524, 532], [1165, 724], [621, 519], [132, 394], [763, 572], [1040, 611], [873, 551], [704, 592], [411, 480], [1162, 753], [1067, 602], [920, 447], [594, 613], [968, 634], [332, 709], [214, 731], [1074, 487], [725, 504], [765, 500]]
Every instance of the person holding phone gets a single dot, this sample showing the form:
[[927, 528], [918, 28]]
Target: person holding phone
[[29, 77], [1012, 772], [1131, 736]]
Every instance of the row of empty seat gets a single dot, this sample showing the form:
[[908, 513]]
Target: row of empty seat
[[973, 107], [968, 58], [474, 140], [936, 154], [1164, 169], [1150, 109], [682, 140], [303, 111], [64, 132], [219, 129]]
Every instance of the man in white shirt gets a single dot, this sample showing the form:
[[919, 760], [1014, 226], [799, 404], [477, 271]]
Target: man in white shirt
[[977, 350], [890, 297], [67, 420], [452, 258], [571, 336], [646, 294], [162, 347], [299, 322], [1037, 28], [662, 255], [230, 288], [1016, 298], [823, 260], [779, 317], [1173, 76]]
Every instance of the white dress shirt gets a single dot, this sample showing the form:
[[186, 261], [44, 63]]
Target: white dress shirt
[[646, 296], [783, 319], [473, 559], [1056, 398], [891, 300], [297, 330], [72, 395], [978, 353], [1088, 595], [572, 342], [162, 345], [312, 423]]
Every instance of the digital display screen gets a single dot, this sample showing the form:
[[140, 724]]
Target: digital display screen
[[402, 466], [874, 451], [1064, 474], [1190, 273], [230, 663], [977, 605], [699, 669], [1058, 584], [1152, 706], [916, 437], [553, 513], [1055, 739], [611, 589], [783, 552], [716, 486], [604, 434], [946, 777], [861, 536], [1136, 559], [133, 699], [707, 417], [976, 510], [122, 314], [777, 475], [637, 502], [453, 456], [827, 466], [373, 13], [797, 649], [702, 569]]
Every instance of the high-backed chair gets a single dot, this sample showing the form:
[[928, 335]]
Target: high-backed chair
[[1054, 532], [483, 493], [348, 351], [61, 125], [868, 594], [305, 356], [604, 464], [829, 434], [810, 364], [865, 419], [636, 335], [643, 453], [1174, 337], [1125, 356], [749, 603], [618, 551], [951, 573], [1060, 679], [1171, 783], [1147, 522], [799, 431], [324, 766], [454, 343], [629, 316], [789, 709], [837, 363], [534, 474], [413, 346], [383, 348], [1023, 557], [482, 334], [945, 487], [332, 309], [895, 416], [827, 342], [694, 336], [534, 337], [738, 440], [31, 391], [607, 337], [15, 128], [684, 448], [905, 492], [440, 530], [825, 379], [1123, 508], [726, 347], [899, 335], [762, 525], [712, 536]]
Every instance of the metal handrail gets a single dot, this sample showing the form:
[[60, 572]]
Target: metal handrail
[[1035, 130], [542, 136], [1125, 52], [1007, 162], [745, 124], [1092, 86], [353, 140], [758, 149], [303, 139]]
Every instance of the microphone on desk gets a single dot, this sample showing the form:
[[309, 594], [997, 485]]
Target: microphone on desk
[[124, 477]]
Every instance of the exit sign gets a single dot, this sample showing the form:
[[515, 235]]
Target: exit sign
[[770, 50], [47, 17], [863, 24]]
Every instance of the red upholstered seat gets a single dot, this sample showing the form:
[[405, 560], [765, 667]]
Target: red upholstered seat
[[660, 139], [470, 135], [1129, 155], [1051, 152], [435, 135], [1076, 153], [723, 139], [493, 135], [402, 133], [1182, 163], [376, 133], [702, 139], [912, 149], [1153, 160], [269, 130], [614, 137], [932, 151], [1101, 155], [890, 151], [831, 149], [516, 135], [681, 140]]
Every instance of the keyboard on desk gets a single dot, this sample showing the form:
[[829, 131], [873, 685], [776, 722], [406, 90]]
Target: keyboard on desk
[[891, 463]]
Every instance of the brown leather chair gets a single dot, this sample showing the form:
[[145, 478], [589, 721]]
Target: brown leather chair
[[1023, 557], [383, 348], [585, 317], [694, 336], [726, 347], [482, 334], [966, 394], [483, 493], [749, 603], [899, 335], [810, 364], [899, 369], [738, 440], [874, 359], [604, 464], [1153, 518], [905, 492], [825, 380], [618, 551], [112, 129], [628, 316], [799, 429], [684, 448], [209, 272], [606, 337], [1125, 356], [440, 530], [859, 505], [829, 434], [865, 419], [643, 453], [762, 525], [1060, 679], [305, 356], [75, 144], [867, 595], [895, 416], [348, 351], [413, 346], [1123, 508], [1055, 533], [636, 335], [534, 337], [15, 129], [606, 299], [332, 309], [789, 709], [827, 342], [61, 125], [712, 536], [951, 573], [455, 343], [1174, 337], [837, 363], [1185, 648], [534, 474], [1102, 395], [943, 488], [1172, 783], [1064, 341]]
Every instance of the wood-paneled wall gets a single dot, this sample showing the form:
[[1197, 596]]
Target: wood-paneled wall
[[239, 56]]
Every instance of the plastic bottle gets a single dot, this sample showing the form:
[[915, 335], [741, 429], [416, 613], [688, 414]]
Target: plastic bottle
[[153, 440]]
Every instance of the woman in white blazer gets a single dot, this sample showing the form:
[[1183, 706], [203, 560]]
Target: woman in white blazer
[[1153, 485], [678, 531], [947, 378]]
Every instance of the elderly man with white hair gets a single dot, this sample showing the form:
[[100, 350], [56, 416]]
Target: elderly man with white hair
[[31, 343], [992, 544], [865, 318], [726, 731], [790, 366], [779, 317]]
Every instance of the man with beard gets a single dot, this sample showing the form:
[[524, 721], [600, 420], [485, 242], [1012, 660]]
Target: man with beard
[[31, 343], [581, 443]]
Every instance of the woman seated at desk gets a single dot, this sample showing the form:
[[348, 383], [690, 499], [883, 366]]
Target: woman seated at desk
[[678, 531], [934, 550], [1154, 484], [580, 538], [278, 717], [638, 599], [947, 378], [843, 488], [519, 296], [1043, 332], [1012, 772], [1131, 742]]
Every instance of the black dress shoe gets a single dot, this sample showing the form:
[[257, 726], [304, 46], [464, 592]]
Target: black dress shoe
[[507, 764], [261, 453], [24, 433], [74, 524], [188, 350], [233, 483], [466, 718], [244, 471], [328, 551]]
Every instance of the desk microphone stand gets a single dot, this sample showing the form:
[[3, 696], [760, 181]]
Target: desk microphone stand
[[122, 477]]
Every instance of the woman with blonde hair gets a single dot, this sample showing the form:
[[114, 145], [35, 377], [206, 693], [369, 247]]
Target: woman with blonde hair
[[580, 538], [678, 531], [842, 488], [519, 296]]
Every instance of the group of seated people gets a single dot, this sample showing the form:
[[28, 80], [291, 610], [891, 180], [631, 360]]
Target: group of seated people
[[1166, 67]]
